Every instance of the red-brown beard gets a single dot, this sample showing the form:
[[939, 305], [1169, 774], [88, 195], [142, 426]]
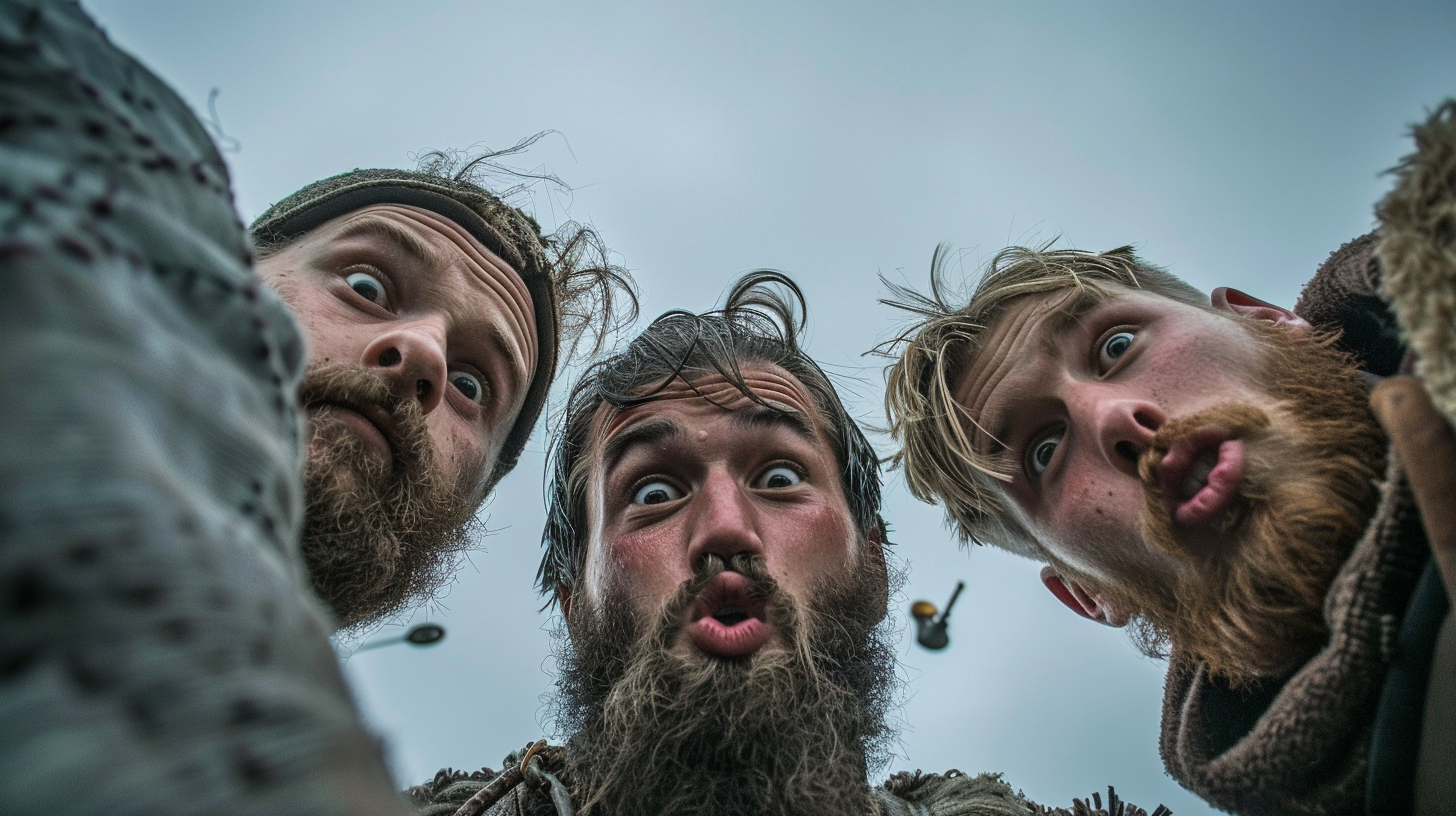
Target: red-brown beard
[[1249, 601], [381, 533]]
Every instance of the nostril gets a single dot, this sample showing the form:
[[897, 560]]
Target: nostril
[[1127, 451], [1144, 420], [389, 358], [422, 389]]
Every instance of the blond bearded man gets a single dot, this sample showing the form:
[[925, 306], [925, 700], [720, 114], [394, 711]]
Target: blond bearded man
[[715, 545], [1209, 469]]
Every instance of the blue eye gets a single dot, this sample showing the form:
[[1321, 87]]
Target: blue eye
[[779, 477], [468, 385], [1115, 346], [1040, 456], [656, 492], [368, 287]]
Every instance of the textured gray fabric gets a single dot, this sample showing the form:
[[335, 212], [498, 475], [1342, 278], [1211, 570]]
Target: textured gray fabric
[[158, 655]]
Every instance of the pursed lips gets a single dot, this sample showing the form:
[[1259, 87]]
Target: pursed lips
[[371, 422], [1201, 475], [727, 621]]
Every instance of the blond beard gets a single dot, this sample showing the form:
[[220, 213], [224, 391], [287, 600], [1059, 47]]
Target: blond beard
[[1251, 603]]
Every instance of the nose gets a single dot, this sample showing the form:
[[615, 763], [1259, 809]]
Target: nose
[[412, 357], [1123, 428], [723, 521]]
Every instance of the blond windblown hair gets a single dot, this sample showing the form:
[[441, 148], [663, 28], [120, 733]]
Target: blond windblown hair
[[948, 336]]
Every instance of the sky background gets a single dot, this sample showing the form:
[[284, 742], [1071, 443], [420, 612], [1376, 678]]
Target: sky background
[[1237, 143]]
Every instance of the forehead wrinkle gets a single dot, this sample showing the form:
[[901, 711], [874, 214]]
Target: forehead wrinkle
[[1022, 346], [375, 226], [758, 416], [782, 392]]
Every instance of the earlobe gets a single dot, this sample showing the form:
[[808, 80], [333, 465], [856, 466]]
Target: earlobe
[[1089, 606], [1228, 299], [563, 598]]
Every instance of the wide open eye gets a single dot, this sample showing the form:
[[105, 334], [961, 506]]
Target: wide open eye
[[1041, 453], [468, 385], [368, 287], [778, 477], [1114, 346], [656, 492]]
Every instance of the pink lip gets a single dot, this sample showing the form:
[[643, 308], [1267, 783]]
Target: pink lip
[[729, 591], [369, 421], [1212, 500]]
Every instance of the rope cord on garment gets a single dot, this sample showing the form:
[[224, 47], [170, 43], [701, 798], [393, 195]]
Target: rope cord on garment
[[523, 766]]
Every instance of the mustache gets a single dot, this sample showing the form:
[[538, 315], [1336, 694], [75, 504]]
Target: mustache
[[1236, 420], [350, 385]]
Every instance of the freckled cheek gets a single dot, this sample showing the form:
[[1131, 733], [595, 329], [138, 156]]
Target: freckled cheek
[[1208, 368], [1095, 519]]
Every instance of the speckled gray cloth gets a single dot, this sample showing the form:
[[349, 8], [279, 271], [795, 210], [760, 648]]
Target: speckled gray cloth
[[158, 655]]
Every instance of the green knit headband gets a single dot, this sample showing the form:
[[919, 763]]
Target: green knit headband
[[501, 228]]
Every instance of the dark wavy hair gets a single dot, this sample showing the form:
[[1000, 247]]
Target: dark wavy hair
[[761, 322]]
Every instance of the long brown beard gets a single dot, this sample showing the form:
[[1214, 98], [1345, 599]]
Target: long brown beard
[[1252, 604], [787, 731], [380, 534]]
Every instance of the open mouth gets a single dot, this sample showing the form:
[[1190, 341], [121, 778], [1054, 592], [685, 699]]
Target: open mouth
[[1200, 476], [727, 620], [731, 616]]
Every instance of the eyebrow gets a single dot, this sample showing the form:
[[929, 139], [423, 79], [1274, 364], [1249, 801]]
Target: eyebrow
[[1067, 316], [649, 432], [398, 237], [1064, 318], [653, 431]]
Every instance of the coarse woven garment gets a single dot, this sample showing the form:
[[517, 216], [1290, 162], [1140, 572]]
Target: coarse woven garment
[[159, 654]]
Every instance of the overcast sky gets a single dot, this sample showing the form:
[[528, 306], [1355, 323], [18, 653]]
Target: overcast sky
[[1237, 143]]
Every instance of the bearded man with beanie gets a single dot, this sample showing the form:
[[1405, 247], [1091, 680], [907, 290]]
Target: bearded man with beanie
[[1215, 470], [435, 315], [715, 545]]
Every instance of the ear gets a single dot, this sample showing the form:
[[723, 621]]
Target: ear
[[1228, 299], [1080, 601], [563, 597]]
